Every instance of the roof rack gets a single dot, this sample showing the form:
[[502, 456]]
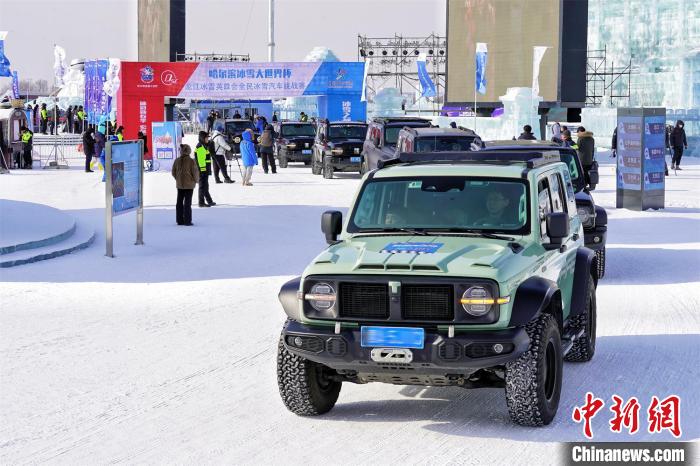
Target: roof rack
[[532, 159]]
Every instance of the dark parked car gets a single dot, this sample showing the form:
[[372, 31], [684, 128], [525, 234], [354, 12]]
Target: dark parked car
[[382, 135], [234, 132], [294, 142], [593, 217], [338, 147], [437, 140]]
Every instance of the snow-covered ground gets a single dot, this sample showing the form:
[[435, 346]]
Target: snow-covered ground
[[166, 353]]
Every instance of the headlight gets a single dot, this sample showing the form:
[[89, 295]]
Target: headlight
[[338, 151], [291, 146], [587, 216], [478, 301], [321, 297], [237, 140]]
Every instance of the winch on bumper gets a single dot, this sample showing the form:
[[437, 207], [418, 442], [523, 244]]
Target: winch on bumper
[[441, 355]]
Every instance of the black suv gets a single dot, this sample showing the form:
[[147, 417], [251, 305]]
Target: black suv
[[233, 129], [294, 142], [593, 217], [437, 140], [338, 147], [382, 135]]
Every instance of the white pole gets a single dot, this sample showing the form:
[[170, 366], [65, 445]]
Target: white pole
[[271, 31], [474, 109]]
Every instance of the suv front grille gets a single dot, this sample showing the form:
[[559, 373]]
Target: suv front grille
[[364, 300], [427, 302]]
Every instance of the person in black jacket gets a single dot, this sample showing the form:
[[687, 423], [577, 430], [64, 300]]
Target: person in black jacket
[[88, 148], [527, 134], [613, 145], [69, 119], [678, 141]]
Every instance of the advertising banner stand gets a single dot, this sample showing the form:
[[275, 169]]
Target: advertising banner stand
[[123, 187], [641, 152], [166, 137]]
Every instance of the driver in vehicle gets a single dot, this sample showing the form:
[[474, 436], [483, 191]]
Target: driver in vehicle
[[496, 204]]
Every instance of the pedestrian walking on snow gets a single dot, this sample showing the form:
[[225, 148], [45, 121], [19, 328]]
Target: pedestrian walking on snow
[[88, 148], [250, 158], [266, 154], [219, 148], [186, 173], [203, 156], [678, 141]]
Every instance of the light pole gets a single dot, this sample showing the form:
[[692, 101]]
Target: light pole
[[271, 31]]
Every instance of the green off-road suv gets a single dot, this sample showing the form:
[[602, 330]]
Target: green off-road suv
[[465, 269]]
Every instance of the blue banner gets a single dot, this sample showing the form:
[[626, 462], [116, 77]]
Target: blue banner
[[97, 101], [15, 85], [654, 152], [426, 84], [4, 62], [480, 75], [347, 107]]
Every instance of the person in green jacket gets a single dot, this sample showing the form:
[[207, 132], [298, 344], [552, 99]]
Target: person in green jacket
[[44, 118], [203, 159]]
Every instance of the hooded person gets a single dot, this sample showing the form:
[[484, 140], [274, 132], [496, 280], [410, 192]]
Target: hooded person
[[250, 158], [266, 154], [88, 148], [186, 174], [220, 146], [527, 134], [585, 147], [677, 141], [203, 159], [556, 133]]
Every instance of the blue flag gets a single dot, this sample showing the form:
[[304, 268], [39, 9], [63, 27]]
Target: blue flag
[[4, 62], [480, 76], [15, 85], [426, 84]]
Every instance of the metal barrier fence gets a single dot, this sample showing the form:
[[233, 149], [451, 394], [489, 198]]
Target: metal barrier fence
[[58, 150]]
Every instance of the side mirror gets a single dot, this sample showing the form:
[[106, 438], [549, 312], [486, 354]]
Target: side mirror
[[331, 225], [593, 179], [557, 229]]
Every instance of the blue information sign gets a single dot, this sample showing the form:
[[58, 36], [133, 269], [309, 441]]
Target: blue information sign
[[126, 177]]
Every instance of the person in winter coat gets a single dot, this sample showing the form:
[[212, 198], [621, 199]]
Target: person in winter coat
[[556, 133], [203, 157], [44, 118], [527, 134], [250, 158], [143, 137], [69, 119], [88, 148], [220, 146], [585, 148], [678, 141], [613, 143], [266, 141], [27, 145], [303, 117], [186, 173]]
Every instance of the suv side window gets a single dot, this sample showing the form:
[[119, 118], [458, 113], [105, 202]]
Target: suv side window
[[544, 201], [558, 194]]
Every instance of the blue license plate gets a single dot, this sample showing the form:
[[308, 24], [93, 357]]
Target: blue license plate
[[392, 337], [306, 152], [355, 159]]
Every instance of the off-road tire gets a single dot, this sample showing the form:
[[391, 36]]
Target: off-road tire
[[327, 170], [600, 256], [532, 392], [584, 347], [302, 386]]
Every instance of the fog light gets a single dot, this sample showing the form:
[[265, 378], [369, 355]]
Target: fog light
[[596, 239], [498, 348], [298, 341]]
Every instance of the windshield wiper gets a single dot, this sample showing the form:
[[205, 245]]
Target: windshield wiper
[[472, 232], [395, 230]]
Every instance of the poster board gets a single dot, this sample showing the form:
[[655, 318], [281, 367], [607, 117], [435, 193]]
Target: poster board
[[166, 137]]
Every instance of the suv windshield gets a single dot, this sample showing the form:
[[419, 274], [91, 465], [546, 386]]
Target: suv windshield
[[443, 144], [237, 127], [347, 132], [298, 130], [442, 204], [391, 133]]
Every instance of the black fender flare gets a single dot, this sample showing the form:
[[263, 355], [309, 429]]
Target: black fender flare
[[601, 217], [532, 297], [288, 298], [584, 271]]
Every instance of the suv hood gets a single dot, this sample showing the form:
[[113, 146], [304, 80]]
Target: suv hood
[[452, 255]]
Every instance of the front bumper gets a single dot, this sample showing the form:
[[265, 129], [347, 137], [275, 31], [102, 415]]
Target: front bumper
[[440, 356], [342, 163], [595, 237], [296, 155]]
